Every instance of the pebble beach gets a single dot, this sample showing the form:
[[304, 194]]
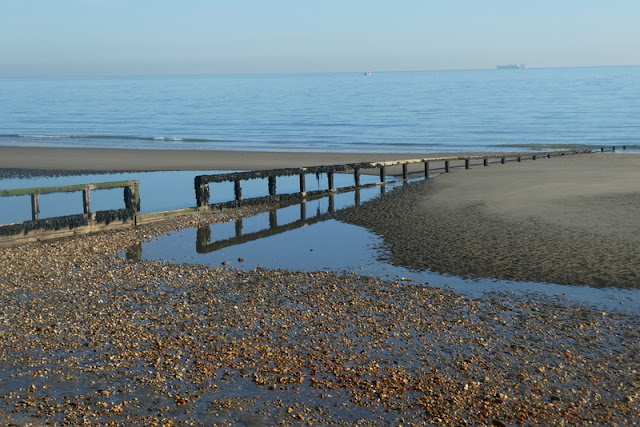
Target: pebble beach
[[89, 337]]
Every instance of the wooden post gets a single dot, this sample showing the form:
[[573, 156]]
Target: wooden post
[[202, 192], [303, 210], [132, 199], [519, 158], [502, 160], [86, 200], [237, 189], [272, 185], [330, 180], [466, 163], [332, 204], [533, 157], [303, 183], [624, 147], [382, 174], [602, 149], [486, 162], [35, 206], [356, 176], [405, 171], [613, 148], [446, 166], [357, 197], [426, 170]]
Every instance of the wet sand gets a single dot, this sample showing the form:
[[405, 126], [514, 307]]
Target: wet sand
[[569, 220], [89, 337], [96, 159]]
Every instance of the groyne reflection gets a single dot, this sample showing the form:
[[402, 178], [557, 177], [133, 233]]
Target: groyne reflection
[[217, 236], [283, 223]]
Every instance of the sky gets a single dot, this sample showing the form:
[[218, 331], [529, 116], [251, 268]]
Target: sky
[[176, 37]]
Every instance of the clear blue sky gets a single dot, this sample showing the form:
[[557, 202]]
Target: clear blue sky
[[158, 37]]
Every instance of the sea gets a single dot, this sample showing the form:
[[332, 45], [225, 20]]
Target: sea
[[421, 112]]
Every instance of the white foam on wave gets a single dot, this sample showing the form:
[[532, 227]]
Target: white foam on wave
[[161, 138], [45, 136]]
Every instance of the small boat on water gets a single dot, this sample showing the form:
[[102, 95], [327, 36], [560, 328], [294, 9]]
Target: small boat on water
[[512, 67], [368, 73]]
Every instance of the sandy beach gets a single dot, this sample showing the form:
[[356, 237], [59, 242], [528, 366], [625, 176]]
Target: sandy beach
[[97, 159], [90, 337]]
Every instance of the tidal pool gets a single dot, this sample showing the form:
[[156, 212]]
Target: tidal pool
[[304, 237]]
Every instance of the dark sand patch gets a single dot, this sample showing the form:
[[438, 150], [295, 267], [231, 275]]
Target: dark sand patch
[[567, 225]]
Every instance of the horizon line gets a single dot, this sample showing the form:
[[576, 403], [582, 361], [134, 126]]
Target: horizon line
[[89, 76]]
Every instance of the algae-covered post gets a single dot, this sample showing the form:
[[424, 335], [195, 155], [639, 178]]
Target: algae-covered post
[[202, 191], [466, 163], [382, 174], [272, 185], [426, 170], [132, 199], [446, 166], [303, 183], [237, 189], [356, 176], [486, 161], [405, 171], [86, 200], [35, 206]]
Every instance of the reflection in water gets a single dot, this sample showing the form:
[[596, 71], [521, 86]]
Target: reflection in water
[[135, 252], [279, 220], [205, 245]]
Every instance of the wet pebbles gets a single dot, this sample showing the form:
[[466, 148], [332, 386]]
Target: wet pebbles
[[88, 337]]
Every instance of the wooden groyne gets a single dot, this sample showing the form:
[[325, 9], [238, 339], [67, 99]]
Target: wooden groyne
[[386, 172], [406, 170], [85, 222]]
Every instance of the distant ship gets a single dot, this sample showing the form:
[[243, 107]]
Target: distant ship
[[368, 73], [512, 67]]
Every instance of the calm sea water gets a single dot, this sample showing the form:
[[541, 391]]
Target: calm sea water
[[432, 111]]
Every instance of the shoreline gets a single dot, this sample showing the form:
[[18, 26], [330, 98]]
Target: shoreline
[[111, 160]]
